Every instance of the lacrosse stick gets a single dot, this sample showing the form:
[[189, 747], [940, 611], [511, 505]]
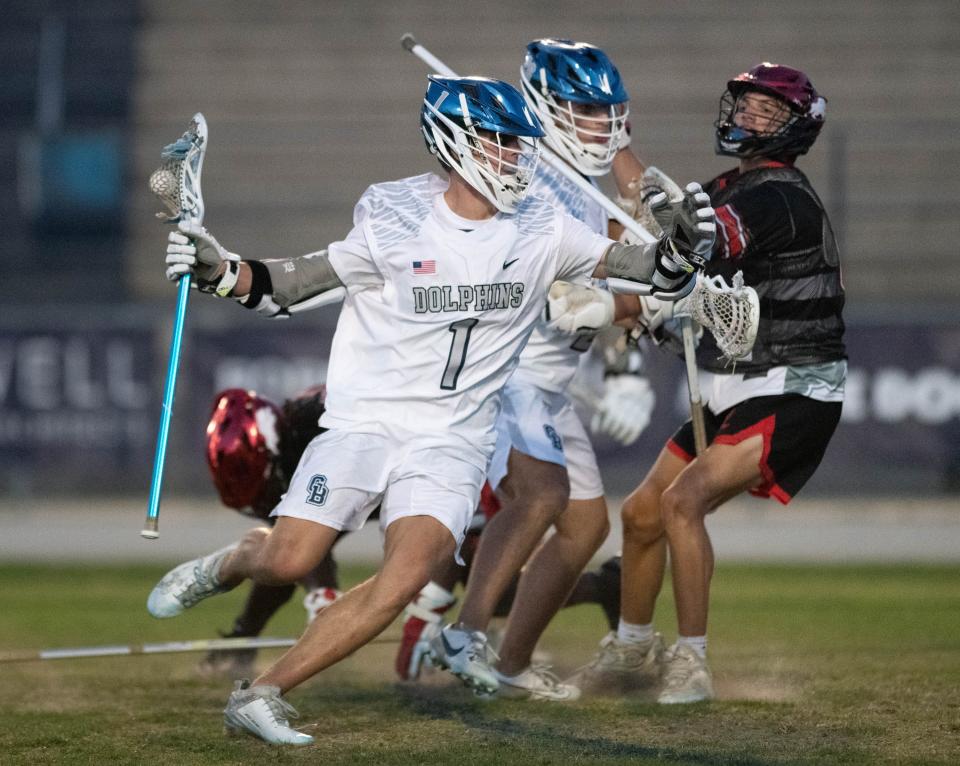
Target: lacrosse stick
[[167, 647], [177, 183], [629, 223]]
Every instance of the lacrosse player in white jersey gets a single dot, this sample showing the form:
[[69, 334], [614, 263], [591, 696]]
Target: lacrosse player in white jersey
[[544, 467], [445, 279]]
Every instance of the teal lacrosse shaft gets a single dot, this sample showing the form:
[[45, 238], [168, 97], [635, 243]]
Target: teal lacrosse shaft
[[151, 527]]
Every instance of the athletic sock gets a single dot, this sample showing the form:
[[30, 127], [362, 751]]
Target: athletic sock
[[629, 633], [697, 643]]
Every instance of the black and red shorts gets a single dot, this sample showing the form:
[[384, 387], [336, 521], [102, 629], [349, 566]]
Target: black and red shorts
[[795, 431]]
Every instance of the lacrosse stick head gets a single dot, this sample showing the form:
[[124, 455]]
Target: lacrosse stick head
[[177, 181], [730, 312]]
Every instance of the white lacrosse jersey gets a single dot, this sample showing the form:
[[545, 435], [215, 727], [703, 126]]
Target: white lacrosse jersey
[[439, 307], [551, 358]]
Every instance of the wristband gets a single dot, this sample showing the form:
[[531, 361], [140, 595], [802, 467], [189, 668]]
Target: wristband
[[229, 279]]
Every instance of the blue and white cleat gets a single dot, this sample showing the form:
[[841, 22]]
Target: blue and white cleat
[[262, 712], [536, 683], [188, 584], [466, 654]]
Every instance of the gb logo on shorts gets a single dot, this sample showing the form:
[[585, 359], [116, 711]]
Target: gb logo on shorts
[[317, 489], [554, 437]]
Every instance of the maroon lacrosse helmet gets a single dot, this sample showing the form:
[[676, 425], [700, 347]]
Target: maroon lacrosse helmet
[[795, 136], [242, 446]]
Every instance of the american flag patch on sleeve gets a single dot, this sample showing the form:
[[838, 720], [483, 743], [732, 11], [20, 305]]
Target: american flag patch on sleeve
[[424, 267]]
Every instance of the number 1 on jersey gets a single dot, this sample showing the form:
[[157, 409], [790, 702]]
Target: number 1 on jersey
[[461, 330]]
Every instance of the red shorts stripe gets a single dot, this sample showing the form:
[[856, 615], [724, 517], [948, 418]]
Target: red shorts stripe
[[795, 432], [679, 451], [765, 429]]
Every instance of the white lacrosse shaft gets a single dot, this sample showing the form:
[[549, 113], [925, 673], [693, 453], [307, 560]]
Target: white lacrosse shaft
[[614, 211], [166, 647]]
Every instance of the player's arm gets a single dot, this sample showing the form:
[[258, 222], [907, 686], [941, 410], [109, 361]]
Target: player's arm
[[666, 266], [274, 287]]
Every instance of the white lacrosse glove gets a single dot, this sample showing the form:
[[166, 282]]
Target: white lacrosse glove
[[193, 250], [689, 223], [660, 320], [626, 408], [573, 309]]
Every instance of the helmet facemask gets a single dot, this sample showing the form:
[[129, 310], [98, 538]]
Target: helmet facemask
[[587, 142], [498, 165], [786, 132]]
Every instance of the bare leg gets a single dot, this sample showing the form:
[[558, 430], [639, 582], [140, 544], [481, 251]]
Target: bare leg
[[278, 556], [601, 587], [448, 574], [538, 495], [262, 603], [549, 577], [720, 473], [413, 550], [644, 541], [324, 575]]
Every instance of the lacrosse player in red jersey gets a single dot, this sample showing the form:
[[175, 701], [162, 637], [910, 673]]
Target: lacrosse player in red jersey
[[769, 417], [252, 449], [444, 280]]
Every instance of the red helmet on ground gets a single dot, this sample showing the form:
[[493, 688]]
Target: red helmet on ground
[[243, 444], [798, 132]]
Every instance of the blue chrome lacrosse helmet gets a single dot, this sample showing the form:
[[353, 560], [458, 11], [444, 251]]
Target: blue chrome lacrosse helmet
[[560, 79], [469, 124]]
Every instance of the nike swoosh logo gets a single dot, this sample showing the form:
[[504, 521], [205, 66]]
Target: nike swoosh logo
[[508, 264], [451, 652]]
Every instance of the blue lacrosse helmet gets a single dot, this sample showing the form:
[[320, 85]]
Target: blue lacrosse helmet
[[483, 130], [578, 94]]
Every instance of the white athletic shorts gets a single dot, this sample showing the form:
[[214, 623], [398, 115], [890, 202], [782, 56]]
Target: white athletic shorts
[[344, 474], [543, 425]]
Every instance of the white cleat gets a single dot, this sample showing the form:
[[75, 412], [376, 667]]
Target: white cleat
[[687, 678], [535, 683], [466, 654], [623, 665], [188, 584], [262, 712]]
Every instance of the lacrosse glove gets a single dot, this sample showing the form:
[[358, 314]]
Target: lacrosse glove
[[193, 250], [626, 408], [690, 227], [574, 309]]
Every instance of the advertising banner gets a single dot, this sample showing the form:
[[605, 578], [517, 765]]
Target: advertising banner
[[79, 407]]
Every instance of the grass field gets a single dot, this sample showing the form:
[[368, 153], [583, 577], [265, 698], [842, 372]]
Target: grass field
[[846, 665]]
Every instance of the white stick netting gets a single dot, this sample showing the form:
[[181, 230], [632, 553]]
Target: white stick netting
[[730, 312], [176, 182]]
